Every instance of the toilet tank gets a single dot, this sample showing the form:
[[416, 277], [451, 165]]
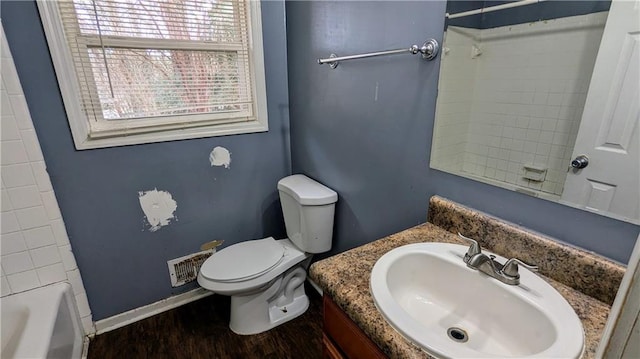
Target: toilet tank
[[308, 208]]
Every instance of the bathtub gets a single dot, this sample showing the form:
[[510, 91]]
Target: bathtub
[[41, 323]]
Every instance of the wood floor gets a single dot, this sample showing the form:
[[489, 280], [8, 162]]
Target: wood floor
[[200, 330]]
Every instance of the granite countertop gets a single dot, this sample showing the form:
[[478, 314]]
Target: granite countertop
[[345, 278]]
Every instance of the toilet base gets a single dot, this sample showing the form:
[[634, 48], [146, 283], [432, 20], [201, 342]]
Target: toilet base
[[282, 301]]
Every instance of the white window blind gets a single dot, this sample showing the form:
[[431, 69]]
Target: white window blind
[[156, 65]]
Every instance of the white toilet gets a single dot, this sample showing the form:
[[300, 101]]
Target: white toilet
[[265, 277]]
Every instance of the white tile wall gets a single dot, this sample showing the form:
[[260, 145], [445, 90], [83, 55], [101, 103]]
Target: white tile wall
[[530, 82], [34, 246], [39, 237], [455, 95]]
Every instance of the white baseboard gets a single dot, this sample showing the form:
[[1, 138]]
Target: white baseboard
[[134, 315], [85, 347], [315, 286]]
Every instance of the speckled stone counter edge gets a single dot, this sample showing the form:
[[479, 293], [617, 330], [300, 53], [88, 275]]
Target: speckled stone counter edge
[[584, 271]]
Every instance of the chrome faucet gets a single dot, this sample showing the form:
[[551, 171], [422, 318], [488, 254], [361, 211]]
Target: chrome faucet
[[506, 273]]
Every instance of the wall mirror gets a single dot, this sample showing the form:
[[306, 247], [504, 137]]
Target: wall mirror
[[542, 97]]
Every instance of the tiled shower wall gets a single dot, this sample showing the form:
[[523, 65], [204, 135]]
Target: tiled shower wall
[[455, 97], [531, 82], [35, 250]]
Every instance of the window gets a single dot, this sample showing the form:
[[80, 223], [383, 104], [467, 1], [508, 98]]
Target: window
[[137, 71]]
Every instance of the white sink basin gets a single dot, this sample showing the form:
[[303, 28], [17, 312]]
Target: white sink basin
[[426, 291]]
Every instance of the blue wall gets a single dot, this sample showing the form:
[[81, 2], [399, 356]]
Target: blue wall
[[365, 129], [124, 266]]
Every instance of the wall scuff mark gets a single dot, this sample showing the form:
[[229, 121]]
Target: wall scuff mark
[[158, 207], [220, 156]]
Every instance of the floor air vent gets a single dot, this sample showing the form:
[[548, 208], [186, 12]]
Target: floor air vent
[[185, 269]]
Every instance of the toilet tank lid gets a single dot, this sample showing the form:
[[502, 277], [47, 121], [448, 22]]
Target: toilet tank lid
[[307, 191]]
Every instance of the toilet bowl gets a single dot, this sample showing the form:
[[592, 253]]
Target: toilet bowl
[[265, 277]]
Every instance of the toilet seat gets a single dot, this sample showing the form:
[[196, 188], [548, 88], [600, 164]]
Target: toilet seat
[[292, 256], [257, 257]]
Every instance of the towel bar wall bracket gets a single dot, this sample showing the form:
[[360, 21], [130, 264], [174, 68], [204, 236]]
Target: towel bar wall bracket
[[429, 51]]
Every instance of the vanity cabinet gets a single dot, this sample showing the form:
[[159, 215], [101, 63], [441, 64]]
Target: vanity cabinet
[[342, 338]]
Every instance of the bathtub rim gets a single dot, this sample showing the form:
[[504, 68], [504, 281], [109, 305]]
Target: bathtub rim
[[42, 319]]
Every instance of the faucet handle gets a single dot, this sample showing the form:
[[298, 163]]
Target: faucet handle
[[473, 249], [510, 268]]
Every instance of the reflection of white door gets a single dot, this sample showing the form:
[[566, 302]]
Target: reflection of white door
[[609, 132]]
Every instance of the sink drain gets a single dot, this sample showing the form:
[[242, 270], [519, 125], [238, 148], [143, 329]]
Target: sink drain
[[457, 334]]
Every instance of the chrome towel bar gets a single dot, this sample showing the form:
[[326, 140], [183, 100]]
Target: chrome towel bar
[[429, 51]]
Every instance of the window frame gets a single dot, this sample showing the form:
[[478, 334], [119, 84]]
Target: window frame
[[164, 128]]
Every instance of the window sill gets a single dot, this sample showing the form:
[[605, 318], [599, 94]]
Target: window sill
[[172, 135]]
